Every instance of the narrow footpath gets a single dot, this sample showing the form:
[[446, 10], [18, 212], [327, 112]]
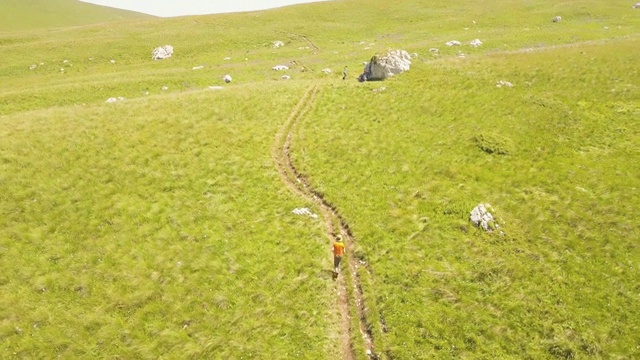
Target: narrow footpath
[[334, 224]]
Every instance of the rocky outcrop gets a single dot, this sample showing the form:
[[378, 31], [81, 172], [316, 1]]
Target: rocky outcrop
[[162, 52], [380, 68]]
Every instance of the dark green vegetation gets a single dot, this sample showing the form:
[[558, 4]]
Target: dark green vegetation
[[159, 225]]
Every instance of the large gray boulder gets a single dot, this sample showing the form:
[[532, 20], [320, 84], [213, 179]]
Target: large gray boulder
[[380, 68], [162, 52]]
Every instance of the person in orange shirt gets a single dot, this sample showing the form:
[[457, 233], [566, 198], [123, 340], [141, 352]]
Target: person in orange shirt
[[338, 251]]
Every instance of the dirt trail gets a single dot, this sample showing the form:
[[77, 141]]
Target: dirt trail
[[334, 224]]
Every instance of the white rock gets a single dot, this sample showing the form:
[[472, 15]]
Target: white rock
[[304, 211], [285, 77], [277, 44], [162, 52], [636, 5], [227, 78], [475, 43], [111, 100], [120, 98], [112, 61], [502, 83], [556, 19], [215, 88], [453, 43], [33, 67], [433, 50], [165, 88], [414, 55], [227, 58], [65, 62], [326, 71], [481, 217], [395, 62], [197, 67], [280, 67]]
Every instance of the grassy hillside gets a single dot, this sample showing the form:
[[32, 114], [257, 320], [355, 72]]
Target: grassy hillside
[[42, 14], [159, 225]]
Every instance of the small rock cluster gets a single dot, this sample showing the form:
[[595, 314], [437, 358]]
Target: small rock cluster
[[482, 218], [304, 211], [161, 52]]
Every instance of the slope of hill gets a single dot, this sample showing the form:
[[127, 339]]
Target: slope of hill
[[159, 225], [42, 14]]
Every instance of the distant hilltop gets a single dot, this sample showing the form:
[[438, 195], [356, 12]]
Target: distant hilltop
[[18, 15]]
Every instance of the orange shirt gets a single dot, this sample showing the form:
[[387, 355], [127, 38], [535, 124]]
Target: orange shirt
[[338, 248]]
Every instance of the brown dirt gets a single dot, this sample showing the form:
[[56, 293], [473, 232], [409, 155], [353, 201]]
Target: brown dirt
[[334, 224]]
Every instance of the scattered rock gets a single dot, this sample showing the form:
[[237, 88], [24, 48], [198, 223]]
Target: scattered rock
[[556, 19], [112, 61], [636, 5], [414, 55], [227, 58], [380, 89], [162, 52], [277, 44], [462, 55], [475, 43], [327, 71], [453, 43], [280, 67], [303, 48], [227, 78], [215, 87], [112, 99], [481, 217], [33, 67], [304, 211], [433, 50], [165, 88], [197, 67], [285, 77], [502, 83], [380, 68], [65, 61]]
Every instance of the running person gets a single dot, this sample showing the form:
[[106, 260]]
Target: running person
[[338, 252]]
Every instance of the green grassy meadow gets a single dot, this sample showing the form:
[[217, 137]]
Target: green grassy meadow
[[159, 227]]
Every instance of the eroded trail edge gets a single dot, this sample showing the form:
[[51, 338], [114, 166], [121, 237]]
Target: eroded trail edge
[[334, 224]]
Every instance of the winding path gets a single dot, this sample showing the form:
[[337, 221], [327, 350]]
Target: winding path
[[334, 224]]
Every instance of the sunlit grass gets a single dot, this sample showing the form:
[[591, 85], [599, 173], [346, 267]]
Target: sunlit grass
[[159, 226]]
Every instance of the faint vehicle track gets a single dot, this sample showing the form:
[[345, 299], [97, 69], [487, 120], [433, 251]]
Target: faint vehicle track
[[299, 184]]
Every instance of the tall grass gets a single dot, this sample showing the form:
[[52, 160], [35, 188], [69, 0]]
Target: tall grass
[[558, 279], [159, 227]]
